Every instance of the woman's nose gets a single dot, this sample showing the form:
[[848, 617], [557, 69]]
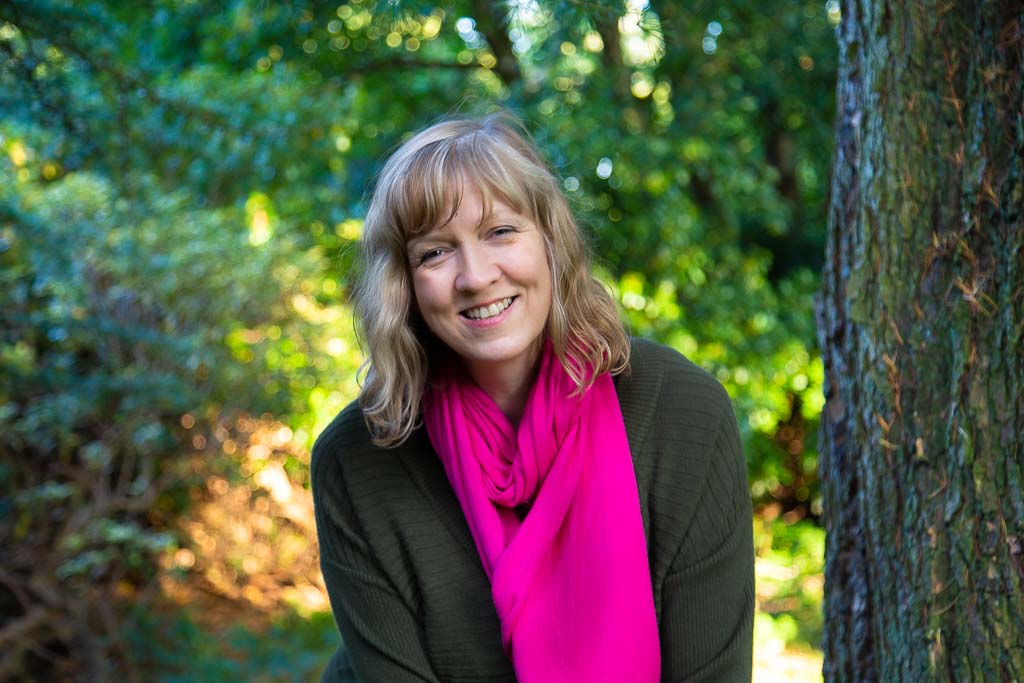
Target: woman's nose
[[476, 270]]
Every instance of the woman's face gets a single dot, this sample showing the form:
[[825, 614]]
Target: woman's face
[[483, 285]]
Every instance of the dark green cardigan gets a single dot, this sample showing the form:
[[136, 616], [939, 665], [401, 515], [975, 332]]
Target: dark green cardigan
[[405, 581]]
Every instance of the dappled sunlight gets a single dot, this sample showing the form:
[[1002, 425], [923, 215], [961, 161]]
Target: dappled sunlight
[[180, 226], [789, 589], [250, 540], [774, 663]]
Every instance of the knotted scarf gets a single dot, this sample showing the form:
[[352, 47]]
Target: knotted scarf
[[570, 582]]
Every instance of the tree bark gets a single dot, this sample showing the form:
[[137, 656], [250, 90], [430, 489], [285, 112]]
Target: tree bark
[[921, 323]]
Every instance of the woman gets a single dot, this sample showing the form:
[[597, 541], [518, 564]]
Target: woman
[[521, 492]]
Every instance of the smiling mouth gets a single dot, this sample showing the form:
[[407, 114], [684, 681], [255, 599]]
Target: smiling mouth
[[485, 312]]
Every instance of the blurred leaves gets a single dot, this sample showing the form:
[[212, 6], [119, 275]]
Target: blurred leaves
[[790, 587], [290, 648], [116, 316], [181, 201]]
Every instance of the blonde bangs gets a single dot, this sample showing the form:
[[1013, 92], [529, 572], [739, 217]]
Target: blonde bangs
[[429, 193]]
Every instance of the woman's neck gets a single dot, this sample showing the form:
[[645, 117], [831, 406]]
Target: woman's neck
[[508, 385]]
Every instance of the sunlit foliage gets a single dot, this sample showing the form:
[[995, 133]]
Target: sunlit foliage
[[181, 201]]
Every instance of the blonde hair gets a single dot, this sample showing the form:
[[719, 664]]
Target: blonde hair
[[420, 188]]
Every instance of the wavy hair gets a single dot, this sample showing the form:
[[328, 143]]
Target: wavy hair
[[418, 189]]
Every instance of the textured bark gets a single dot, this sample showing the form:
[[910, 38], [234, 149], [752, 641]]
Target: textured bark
[[921, 324]]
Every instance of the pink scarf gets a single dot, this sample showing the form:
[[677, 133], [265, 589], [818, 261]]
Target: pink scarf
[[571, 582]]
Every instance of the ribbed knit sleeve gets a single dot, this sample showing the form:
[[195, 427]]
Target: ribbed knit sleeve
[[382, 637], [708, 593]]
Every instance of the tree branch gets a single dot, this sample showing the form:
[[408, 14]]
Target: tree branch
[[492, 22]]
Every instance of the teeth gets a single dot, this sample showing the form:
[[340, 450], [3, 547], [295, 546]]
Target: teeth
[[484, 312]]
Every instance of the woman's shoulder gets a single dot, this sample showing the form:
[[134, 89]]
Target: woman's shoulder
[[347, 431], [347, 428], [343, 450], [687, 452], [669, 381]]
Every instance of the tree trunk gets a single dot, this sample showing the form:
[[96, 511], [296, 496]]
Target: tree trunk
[[921, 324]]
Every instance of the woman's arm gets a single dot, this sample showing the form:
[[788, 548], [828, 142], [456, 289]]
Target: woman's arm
[[382, 637], [708, 595]]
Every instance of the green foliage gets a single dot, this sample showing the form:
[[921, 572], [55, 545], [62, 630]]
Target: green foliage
[[293, 648], [789, 580], [118, 319], [181, 199]]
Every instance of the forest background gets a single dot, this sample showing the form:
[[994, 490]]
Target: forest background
[[182, 186]]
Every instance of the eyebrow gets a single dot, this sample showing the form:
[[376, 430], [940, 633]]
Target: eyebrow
[[495, 215], [424, 237]]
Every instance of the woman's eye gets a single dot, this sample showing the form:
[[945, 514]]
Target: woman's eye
[[503, 230], [430, 255]]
